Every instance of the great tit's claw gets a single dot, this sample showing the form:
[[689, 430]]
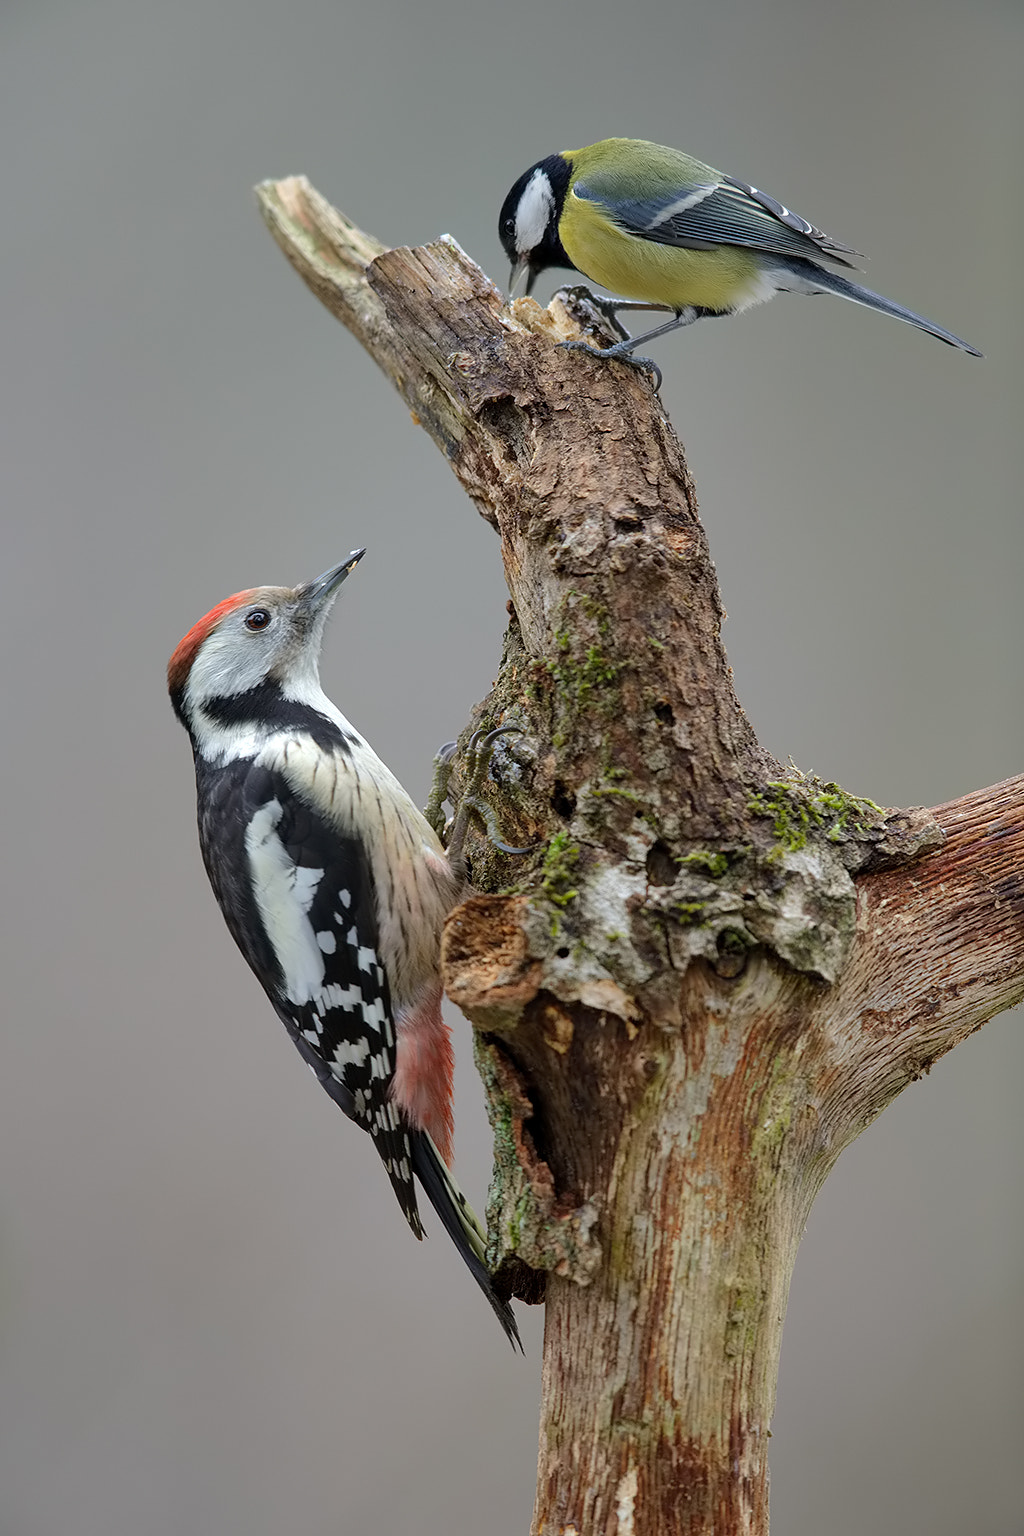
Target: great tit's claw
[[620, 353]]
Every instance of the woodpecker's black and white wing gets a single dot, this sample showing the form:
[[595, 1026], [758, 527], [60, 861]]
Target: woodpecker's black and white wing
[[299, 901]]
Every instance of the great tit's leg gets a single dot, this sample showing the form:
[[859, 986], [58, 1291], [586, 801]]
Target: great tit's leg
[[683, 318], [622, 348], [641, 364], [481, 750], [612, 306], [611, 309]]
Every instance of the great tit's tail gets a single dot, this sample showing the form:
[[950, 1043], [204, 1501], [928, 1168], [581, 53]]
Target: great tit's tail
[[461, 1224], [796, 275]]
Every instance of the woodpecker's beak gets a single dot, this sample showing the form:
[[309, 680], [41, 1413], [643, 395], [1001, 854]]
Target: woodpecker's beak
[[325, 586], [518, 268]]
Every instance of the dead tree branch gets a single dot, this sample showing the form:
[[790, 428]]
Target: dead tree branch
[[716, 971]]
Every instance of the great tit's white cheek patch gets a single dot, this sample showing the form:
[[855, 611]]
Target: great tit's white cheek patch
[[533, 214]]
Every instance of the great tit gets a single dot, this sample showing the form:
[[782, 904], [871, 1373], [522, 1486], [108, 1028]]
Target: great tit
[[661, 228]]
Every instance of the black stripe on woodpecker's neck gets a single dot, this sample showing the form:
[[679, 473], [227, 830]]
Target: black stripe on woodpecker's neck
[[265, 705]]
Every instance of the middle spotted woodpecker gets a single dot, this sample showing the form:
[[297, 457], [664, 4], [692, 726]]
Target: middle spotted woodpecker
[[332, 884]]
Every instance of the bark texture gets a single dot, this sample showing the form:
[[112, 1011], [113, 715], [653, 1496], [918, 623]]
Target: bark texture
[[713, 972]]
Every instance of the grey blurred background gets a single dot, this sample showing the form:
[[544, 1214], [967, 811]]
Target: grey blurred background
[[212, 1317]]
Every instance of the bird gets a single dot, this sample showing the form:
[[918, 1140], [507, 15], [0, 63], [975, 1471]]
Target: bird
[[668, 232], [332, 884]]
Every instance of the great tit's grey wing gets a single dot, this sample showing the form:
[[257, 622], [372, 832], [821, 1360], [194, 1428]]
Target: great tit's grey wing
[[702, 215]]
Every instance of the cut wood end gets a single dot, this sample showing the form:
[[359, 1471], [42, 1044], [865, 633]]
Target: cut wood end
[[293, 200], [487, 969]]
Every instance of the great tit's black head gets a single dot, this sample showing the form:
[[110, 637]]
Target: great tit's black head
[[528, 222]]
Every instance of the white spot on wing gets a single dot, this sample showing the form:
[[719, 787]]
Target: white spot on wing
[[681, 205], [327, 942], [283, 893], [334, 995], [305, 882], [351, 1052], [375, 1017]]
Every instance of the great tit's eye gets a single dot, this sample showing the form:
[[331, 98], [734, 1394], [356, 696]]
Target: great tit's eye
[[259, 618]]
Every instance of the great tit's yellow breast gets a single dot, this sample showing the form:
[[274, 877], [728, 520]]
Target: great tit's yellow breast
[[724, 278]]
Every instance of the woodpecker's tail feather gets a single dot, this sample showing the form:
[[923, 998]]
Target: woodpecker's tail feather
[[461, 1224], [810, 278]]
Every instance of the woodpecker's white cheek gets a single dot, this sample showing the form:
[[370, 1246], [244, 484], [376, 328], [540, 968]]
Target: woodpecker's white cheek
[[229, 664], [284, 892], [533, 214]]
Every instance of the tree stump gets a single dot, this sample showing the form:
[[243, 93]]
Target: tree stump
[[714, 971]]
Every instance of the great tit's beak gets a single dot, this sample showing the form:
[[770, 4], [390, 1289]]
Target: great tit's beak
[[518, 268], [319, 592]]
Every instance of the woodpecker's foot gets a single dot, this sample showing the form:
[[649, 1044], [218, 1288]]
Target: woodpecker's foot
[[621, 351], [444, 759], [478, 761]]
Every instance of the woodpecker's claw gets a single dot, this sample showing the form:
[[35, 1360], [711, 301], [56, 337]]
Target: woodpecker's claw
[[444, 760], [478, 761], [485, 815]]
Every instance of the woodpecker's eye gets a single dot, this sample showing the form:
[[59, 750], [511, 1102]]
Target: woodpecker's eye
[[258, 619]]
